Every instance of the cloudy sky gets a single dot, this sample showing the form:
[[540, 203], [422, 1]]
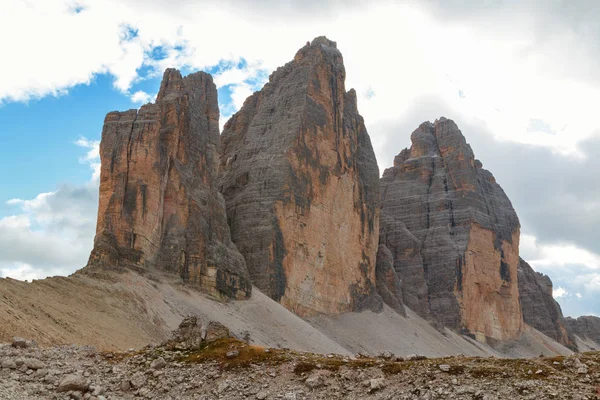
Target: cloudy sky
[[520, 78]]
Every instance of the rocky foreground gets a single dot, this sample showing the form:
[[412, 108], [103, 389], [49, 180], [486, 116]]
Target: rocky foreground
[[219, 367]]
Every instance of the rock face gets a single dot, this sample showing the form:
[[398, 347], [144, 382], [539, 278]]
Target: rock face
[[540, 310], [301, 183], [586, 327], [453, 235], [159, 204]]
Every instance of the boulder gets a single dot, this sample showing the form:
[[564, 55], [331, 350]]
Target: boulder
[[73, 383]]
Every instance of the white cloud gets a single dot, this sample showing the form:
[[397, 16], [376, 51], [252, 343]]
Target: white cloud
[[53, 233], [578, 295], [92, 157], [142, 97], [559, 292], [402, 52], [549, 256]]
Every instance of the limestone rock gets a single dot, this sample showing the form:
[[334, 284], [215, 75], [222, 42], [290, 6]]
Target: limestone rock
[[159, 204], [300, 179], [586, 327], [388, 283], [453, 235], [540, 310], [73, 383]]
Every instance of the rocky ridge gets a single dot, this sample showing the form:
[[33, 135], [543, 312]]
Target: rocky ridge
[[585, 328], [159, 205], [297, 166]]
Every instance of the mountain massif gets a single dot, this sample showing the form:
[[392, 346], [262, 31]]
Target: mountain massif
[[282, 229]]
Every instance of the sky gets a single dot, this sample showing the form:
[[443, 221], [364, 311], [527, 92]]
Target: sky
[[520, 78]]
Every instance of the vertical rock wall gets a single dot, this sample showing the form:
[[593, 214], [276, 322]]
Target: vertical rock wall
[[453, 235], [159, 206], [540, 310]]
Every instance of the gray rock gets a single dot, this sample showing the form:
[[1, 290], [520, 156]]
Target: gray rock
[[586, 327], [138, 380], [540, 310], [34, 363], [125, 385], [314, 381], [8, 363], [73, 383], [262, 395], [19, 342], [158, 363], [444, 367], [232, 354], [376, 384]]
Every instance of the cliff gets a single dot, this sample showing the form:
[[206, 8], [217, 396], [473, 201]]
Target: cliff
[[301, 184], [159, 207], [453, 235], [540, 310]]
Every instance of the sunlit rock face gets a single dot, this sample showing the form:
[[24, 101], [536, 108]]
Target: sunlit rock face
[[159, 206], [453, 235], [301, 183]]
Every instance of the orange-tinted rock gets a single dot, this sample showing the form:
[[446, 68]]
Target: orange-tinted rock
[[159, 205], [301, 183], [453, 235]]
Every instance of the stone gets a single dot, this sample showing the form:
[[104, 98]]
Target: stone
[[73, 383], [138, 380], [415, 357], [159, 363], [444, 367], [34, 363], [159, 205], [376, 384], [314, 381], [125, 385], [7, 363], [232, 354], [539, 308], [300, 179], [97, 391], [453, 236], [216, 330], [262, 395], [583, 369], [19, 342]]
